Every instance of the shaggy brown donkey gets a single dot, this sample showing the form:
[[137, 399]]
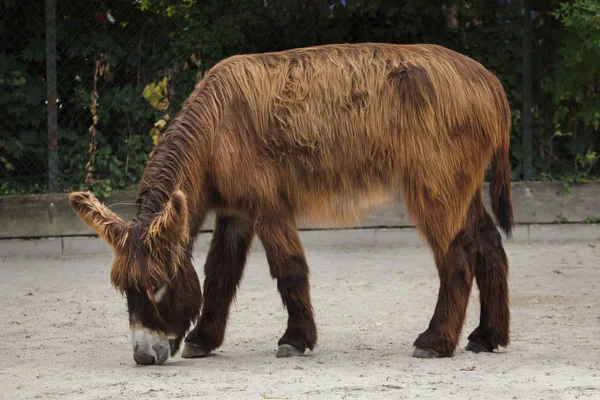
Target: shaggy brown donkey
[[326, 133]]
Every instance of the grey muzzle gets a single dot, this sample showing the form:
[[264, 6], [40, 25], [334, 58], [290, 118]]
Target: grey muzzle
[[149, 347]]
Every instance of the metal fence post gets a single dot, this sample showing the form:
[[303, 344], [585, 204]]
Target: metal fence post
[[527, 142], [51, 94]]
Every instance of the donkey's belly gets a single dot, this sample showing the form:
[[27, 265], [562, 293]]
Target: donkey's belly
[[346, 208]]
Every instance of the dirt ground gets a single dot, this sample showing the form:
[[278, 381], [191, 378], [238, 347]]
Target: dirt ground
[[64, 331]]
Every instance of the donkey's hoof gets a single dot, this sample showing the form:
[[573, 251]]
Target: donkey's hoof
[[287, 350], [191, 350], [476, 347], [425, 353]]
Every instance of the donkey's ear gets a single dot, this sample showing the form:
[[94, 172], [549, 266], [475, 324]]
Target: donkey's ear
[[98, 217], [170, 226]]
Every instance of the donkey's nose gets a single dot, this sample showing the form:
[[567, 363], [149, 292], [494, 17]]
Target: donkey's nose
[[148, 347], [157, 354], [144, 358]]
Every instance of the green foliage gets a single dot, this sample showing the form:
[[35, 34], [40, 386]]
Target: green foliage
[[567, 114], [22, 96], [158, 49]]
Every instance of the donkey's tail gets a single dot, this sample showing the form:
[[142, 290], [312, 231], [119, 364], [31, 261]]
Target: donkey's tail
[[500, 188], [500, 191]]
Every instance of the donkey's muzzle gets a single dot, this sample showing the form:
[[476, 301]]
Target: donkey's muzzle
[[148, 347]]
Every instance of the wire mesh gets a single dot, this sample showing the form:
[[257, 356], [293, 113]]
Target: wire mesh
[[123, 70], [22, 96], [124, 67]]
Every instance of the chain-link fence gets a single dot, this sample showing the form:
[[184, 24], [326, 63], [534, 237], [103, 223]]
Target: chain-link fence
[[113, 74], [22, 79], [118, 71]]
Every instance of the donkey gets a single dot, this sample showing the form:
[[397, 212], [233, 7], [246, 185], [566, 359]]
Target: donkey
[[326, 133]]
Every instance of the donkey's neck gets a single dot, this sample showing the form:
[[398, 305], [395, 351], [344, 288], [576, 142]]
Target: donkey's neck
[[179, 162]]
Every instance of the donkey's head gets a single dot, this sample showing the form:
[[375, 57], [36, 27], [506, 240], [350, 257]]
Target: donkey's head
[[153, 268]]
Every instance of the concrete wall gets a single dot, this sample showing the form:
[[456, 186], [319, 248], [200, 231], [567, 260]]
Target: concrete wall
[[402, 237], [45, 225], [50, 215]]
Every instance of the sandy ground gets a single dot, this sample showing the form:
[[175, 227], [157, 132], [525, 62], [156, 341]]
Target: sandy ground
[[64, 330]]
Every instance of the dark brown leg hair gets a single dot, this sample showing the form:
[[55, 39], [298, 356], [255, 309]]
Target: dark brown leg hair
[[491, 272], [456, 279], [440, 218], [287, 264], [223, 269]]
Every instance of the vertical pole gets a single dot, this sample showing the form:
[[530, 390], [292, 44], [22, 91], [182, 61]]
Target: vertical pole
[[527, 143], [51, 94]]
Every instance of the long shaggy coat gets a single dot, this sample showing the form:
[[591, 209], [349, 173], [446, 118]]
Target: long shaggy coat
[[325, 133]]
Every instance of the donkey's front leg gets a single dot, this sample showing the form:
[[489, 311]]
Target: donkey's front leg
[[287, 263], [224, 268]]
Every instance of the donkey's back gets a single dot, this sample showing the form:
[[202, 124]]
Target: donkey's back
[[339, 129]]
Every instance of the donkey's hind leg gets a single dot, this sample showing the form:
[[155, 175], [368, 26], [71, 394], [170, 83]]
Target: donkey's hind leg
[[491, 274], [440, 219], [287, 263], [224, 268], [441, 337]]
